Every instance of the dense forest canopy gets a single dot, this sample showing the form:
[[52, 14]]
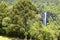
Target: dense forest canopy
[[51, 7], [22, 18]]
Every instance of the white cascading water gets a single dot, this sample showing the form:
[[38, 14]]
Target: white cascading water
[[44, 19]]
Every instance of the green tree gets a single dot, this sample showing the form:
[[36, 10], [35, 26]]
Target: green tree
[[3, 7], [19, 14]]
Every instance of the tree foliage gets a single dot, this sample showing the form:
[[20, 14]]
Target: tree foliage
[[23, 19]]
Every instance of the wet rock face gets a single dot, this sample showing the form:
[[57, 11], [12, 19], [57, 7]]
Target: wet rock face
[[48, 15]]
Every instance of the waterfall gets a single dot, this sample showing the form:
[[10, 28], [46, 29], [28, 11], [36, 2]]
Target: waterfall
[[44, 18]]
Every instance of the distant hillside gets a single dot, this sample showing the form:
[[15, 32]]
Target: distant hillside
[[10, 2], [35, 1]]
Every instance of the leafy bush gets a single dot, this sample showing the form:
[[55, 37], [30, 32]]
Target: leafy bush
[[2, 31]]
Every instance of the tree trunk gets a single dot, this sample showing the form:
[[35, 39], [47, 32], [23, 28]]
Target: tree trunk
[[55, 38], [25, 38]]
